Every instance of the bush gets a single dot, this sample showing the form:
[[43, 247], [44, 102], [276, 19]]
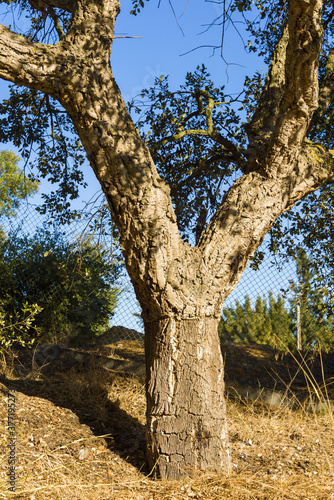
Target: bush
[[72, 284], [18, 329]]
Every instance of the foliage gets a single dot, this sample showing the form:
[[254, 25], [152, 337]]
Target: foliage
[[37, 125], [35, 122], [266, 323], [73, 284], [137, 6], [187, 133], [199, 166], [273, 322], [14, 185], [18, 327]]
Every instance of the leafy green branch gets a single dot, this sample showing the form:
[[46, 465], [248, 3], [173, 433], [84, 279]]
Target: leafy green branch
[[235, 153], [19, 327]]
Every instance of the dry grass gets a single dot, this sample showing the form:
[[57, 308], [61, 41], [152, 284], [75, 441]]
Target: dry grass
[[81, 436]]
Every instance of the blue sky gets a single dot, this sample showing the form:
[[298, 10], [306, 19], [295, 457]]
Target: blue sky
[[136, 62]]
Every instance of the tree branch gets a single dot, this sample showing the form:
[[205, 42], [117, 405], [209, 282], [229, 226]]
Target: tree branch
[[326, 90], [33, 65], [56, 22], [274, 151], [263, 122], [204, 164], [43, 5], [48, 68], [213, 134], [250, 208], [211, 131]]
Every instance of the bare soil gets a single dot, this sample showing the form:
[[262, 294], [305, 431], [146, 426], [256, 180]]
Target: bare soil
[[80, 429]]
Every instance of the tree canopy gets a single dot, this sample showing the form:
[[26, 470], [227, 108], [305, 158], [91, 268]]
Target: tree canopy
[[47, 141], [197, 134], [196, 140]]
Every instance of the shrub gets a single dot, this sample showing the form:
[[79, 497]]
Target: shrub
[[18, 329], [73, 284]]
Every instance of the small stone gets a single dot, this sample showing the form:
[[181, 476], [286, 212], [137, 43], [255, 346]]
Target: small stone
[[83, 453]]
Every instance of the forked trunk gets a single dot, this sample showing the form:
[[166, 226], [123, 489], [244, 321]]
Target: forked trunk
[[186, 412]]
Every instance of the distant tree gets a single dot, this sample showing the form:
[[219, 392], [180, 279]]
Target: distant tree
[[274, 323], [74, 284], [281, 324], [264, 324], [311, 297], [14, 185]]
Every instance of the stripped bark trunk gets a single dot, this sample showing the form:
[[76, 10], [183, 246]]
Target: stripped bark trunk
[[186, 414]]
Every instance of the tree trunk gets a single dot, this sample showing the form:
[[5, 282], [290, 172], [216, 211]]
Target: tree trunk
[[186, 411]]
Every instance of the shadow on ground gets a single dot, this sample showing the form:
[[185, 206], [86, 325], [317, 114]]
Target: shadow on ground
[[86, 391]]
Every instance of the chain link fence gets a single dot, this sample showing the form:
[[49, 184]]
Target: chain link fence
[[125, 321]]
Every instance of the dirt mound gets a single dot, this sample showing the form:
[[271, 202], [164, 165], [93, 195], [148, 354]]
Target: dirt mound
[[253, 365]]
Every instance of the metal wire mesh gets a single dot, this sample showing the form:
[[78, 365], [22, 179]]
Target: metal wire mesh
[[126, 322]]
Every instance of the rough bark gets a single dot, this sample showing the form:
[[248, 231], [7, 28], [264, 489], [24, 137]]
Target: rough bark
[[182, 289], [291, 96], [186, 415]]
